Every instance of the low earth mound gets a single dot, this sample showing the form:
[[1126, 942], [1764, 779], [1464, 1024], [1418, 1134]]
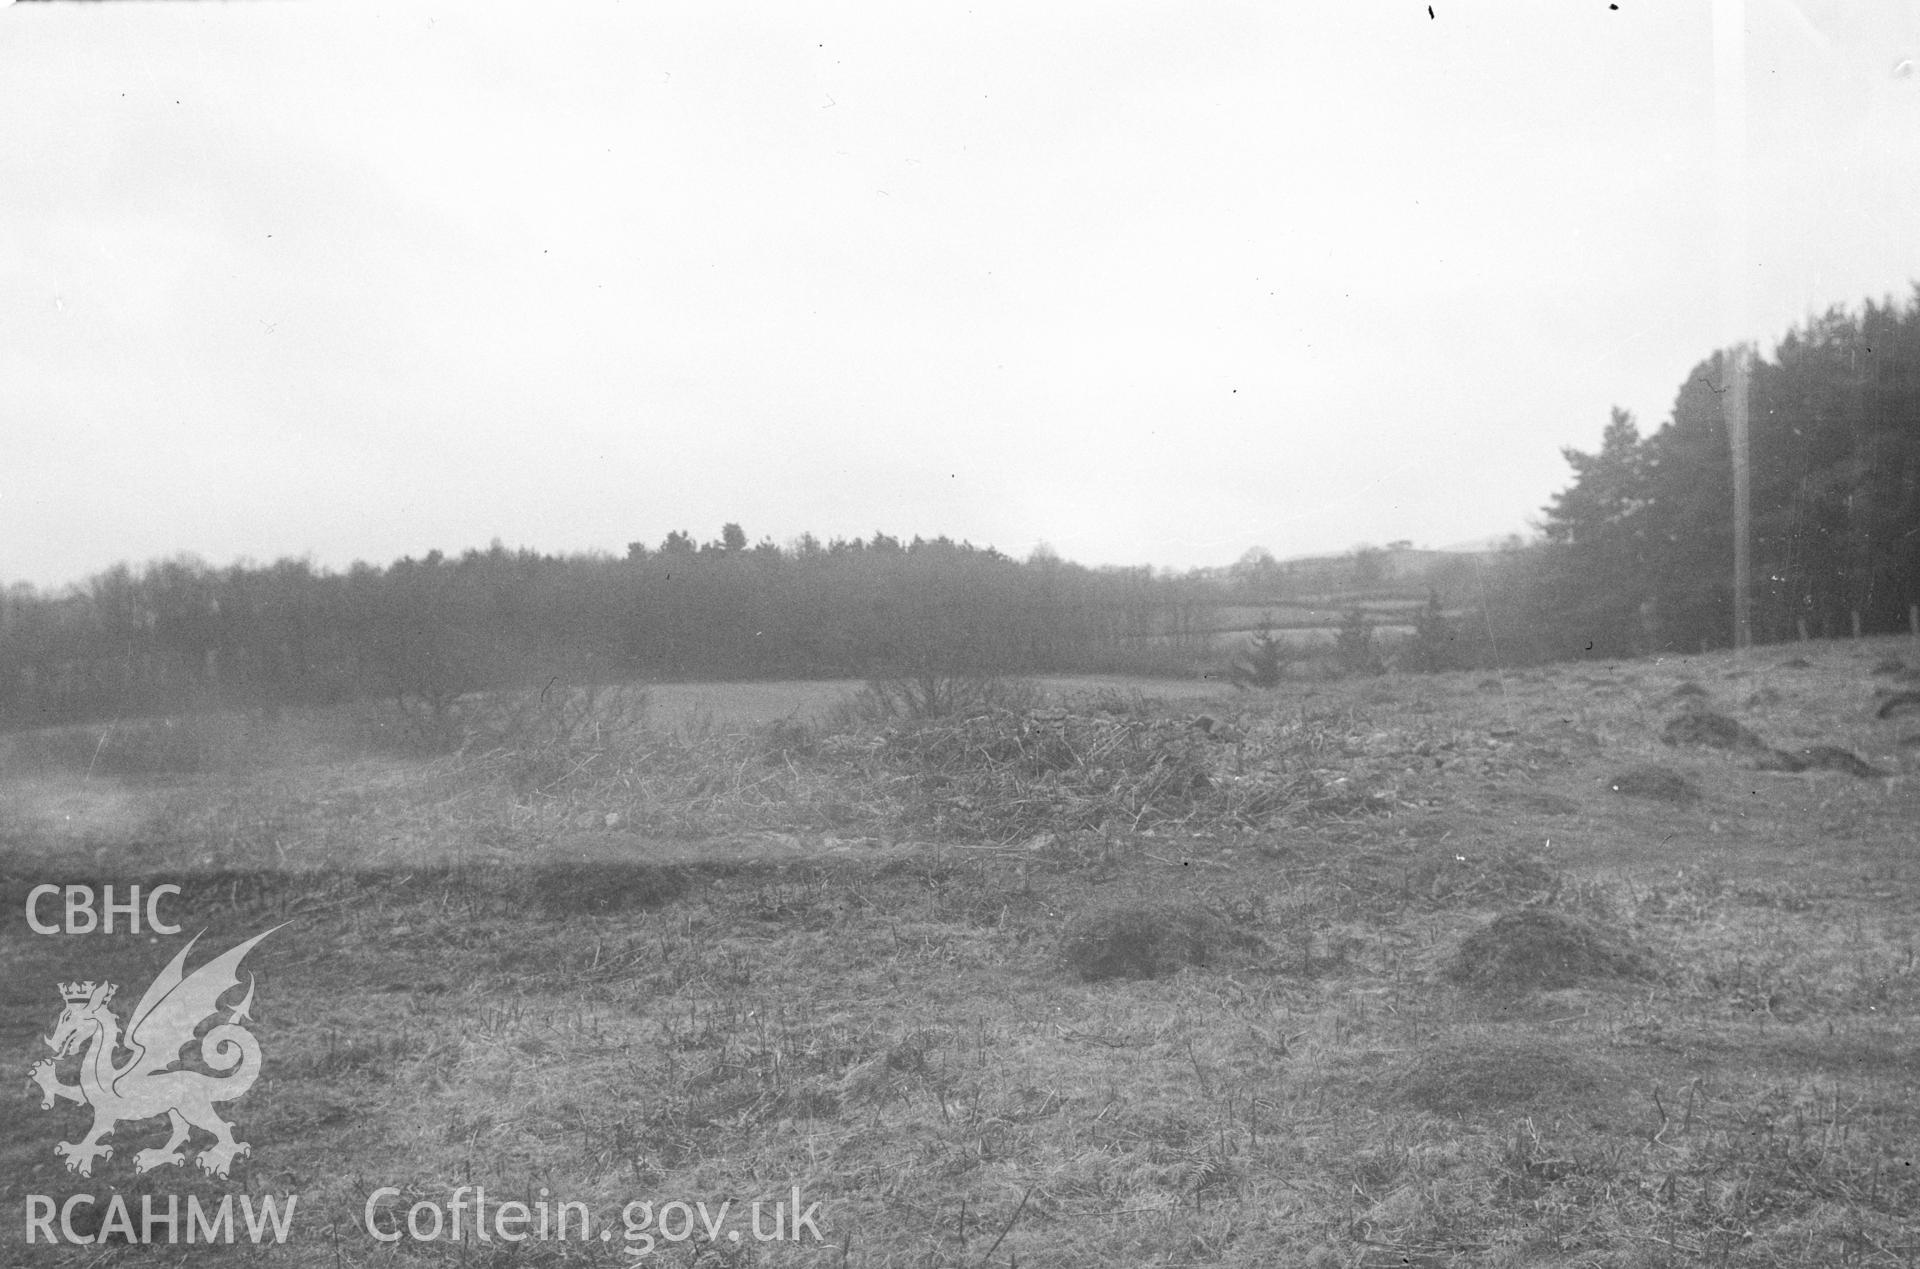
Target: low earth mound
[[1150, 938], [1714, 731], [1774, 760], [1656, 783], [1899, 703], [1492, 1073], [1717, 731], [1546, 951], [1834, 758]]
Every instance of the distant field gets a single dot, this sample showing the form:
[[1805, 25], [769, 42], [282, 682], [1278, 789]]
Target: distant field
[[1305, 623], [1322, 611], [1459, 970]]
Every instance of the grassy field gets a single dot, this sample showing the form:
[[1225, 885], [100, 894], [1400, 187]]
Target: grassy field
[[1453, 970]]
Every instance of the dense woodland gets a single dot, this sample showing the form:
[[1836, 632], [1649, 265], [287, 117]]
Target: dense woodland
[[1639, 549], [179, 635], [1636, 557]]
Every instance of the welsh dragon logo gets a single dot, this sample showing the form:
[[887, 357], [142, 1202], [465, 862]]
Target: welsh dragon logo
[[144, 1086]]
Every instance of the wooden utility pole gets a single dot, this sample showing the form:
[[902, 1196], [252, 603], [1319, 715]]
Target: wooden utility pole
[[1730, 154], [1736, 415]]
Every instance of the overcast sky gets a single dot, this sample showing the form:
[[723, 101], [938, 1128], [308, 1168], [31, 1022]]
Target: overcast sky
[[1151, 283]]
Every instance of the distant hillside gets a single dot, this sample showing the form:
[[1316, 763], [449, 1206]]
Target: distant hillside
[[1388, 577]]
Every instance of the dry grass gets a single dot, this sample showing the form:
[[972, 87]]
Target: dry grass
[[1396, 977]]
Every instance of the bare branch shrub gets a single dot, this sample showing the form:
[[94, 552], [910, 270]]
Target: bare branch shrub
[[558, 734], [1354, 646], [1263, 664]]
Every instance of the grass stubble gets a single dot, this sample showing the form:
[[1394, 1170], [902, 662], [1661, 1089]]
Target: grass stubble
[[1378, 972]]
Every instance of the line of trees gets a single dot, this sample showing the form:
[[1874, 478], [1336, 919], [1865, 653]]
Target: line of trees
[[1639, 549], [179, 635]]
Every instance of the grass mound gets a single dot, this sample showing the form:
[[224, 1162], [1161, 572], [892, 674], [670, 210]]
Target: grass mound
[[1688, 689], [1898, 702], [1834, 758], [1485, 1073], [1537, 950], [1149, 939], [1656, 783]]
